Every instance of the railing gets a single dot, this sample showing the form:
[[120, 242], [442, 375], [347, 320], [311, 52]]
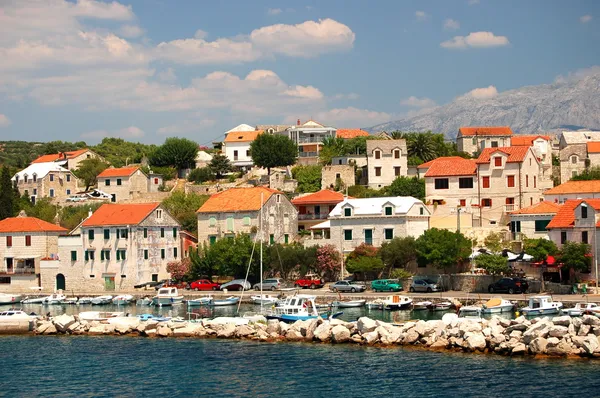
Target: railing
[[308, 140], [308, 154], [312, 216], [508, 208], [18, 271]]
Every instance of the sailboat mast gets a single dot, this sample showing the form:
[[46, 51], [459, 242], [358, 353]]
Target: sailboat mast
[[261, 252]]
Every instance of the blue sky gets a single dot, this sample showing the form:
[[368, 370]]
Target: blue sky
[[148, 69]]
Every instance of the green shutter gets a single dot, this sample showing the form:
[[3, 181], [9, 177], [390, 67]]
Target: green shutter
[[145, 232], [272, 238], [87, 255], [229, 223], [146, 254], [347, 234], [388, 211], [212, 239], [73, 256], [347, 212], [118, 255], [91, 234], [106, 234], [101, 255], [286, 238], [162, 232], [162, 253], [126, 233], [174, 252], [123, 255], [118, 181], [389, 233], [174, 232], [540, 225]]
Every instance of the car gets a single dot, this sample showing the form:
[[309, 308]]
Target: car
[[311, 281], [345, 286], [270, 284], [204, 284], [424, 285], [236, 284], [509, 285], [386, 285], [76, 199]]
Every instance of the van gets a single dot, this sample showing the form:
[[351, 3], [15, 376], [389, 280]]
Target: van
[[386, 285]]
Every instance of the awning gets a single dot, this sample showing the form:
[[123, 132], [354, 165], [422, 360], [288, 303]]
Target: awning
[[322, 225], [25, 257]]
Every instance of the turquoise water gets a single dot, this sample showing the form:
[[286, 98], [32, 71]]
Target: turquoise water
[[78, 366]]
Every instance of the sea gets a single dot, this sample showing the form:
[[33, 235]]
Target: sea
[[112, 366]]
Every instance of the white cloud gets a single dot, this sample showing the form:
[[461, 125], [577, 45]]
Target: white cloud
[[126, 133], [473, 2], [476, 40], [274, 11], [451, 24], [199, 51], [345, 117], [484, 92], [308, 92], [200, 34], [578, 75], [415, 102], [585, 19], [4, 121], [101, 10], [131, 31], [421, 16], [167, 75], [349, 96]]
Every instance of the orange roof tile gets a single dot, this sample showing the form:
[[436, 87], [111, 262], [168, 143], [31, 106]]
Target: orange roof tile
[[237, 199], [578, 187], [515, 153], [426, 164], [28, 224], [485, 130], [242, 136], [350, 133], [120, 214], [118, 172], [526, 140], [593, 147], [451, 166], [58, 156], [565, 218], [324, 196], [544, 207]]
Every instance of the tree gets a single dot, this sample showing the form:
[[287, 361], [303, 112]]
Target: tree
[[6, 194], [588, 174], [398, 253], [177, 152], [89, 169], [442, 248], [220, 165], [494, 264], [179, 269], [308, 177], [71, 216], [575, 256], [407, 186], [43, 209], [540, 248], [331, 147], [287, 259], [329, 262], [494, 242], [183, 207], [273, 150], [203, 263], [364, 259], [200, 175], [421, 145], [119, 152]]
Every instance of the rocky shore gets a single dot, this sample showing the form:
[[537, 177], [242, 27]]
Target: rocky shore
[[561, 336]]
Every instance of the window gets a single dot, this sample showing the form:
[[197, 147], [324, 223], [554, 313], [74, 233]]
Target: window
[[34, 177], [396, 171], [159, 214], [388, 210], [91, 234], [498, 161], [271, 239], [494, 144], [68, 191], [396, 154], [378, 171], [154, 277], [105, 255], [51, 177], [174, 252], [107, 182], [25, 178], [34, 191], [421, 211], [230, 223], [119, 181], [9, 241], [510, 201], [145, 232], [474, 141], [462, 202], [377, 154], [574, 159], [175, 232], [212, 221], [247, 152], [485, 182], [388, 233], [286, 238], [563, 237], [465, 182], [584, 212], [212, 239], [51, 193], [145, 254], [527, 181], [106, 234], [235, 155], [535, 181], [338, 176], [540, 225], [584, 237], [347, 234], [123, 233], [278, 198], [510, 181], [246, 220], [156, 181], [68, 177], [347, 212], [120, 254], [162, 232], [73, 255], [27, 240], [441, 183], [486, 202], [89, 255]]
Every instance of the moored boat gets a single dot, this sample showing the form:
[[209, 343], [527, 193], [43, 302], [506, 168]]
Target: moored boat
[[496, 305], [71, 300], [376, 304], [441, 306], [33, 300], [541, 305], [9, 298], [265, 299], [298, 307], [144, 301], [349, 303], [232, 300], [397, 302], [98, 315], [167, 296], [56, 298], [422, 305], [199, 301], [101, 300], [582, 308], [123, 299]]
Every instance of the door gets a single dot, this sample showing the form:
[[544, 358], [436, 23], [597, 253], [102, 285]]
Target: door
[[9, 265], [369, 236], [109, 283], [113, 197], [60, 282], [317, 212]]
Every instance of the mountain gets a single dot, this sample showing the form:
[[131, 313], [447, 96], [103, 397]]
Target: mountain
[[568, 102]]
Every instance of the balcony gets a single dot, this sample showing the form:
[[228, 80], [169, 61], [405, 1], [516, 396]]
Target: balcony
[[509, 208], [308, 154], [310, 140], [18, 271], [312, 216]]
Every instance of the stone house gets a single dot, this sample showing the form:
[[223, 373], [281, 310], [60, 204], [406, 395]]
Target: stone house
[[116, 248], [575, 148], [541, 145], [238, 210], [126, 183], [331, 176], [532, 221], [313, 208], [236, 147], [24, 242], [473, 140], [386, 160], [69, 160], [309, 137], [46, 180], [573, 190]]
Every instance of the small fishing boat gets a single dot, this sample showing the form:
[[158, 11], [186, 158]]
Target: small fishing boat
[[199, 301], [232, 300], [53, 299], [441, 306], [265, 299], [85, 300], [123, 299], [422, 305], [102, 300], [33, 300], [376, 304], [298, 307], [71, 300], [9, 298], [397, 302], [469, 311], [167, 296], [98, 315], [144, 301], [582, 308], [541, 305], [497, 305], [147, 317], [349, 303]]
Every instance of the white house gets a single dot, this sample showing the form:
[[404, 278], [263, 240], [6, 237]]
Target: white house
[[573, 190], [309, 138], [236, 147], [532, 221], [387, 160]]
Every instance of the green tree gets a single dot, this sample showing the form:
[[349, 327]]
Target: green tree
[[421, 145], [219, 165], [575, 256], [201, 175], [407, 186], [71, 216], [204, 264], [331, 147], [183, 207], [494, 264], [308, 177], [6, 194], [89, 169], [273, 150], [177, 152], [236, 253], [328, 262], [289, 259], [398, 253], [495, 242], [365, 260], [43, 209], [540, 248], [588, 174], [442, 248], [119, 152]]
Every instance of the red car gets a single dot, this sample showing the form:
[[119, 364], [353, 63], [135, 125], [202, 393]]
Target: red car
[[309, 281], [204, 284]]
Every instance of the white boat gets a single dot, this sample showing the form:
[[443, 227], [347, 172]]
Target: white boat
[[541, 305], [397, 302], [16, 321], [422, 305], [223, 302], [14, 313], [101, 300], [9, 298], [33, 300], [349, 303], [470, 311], [144, 301], [265, 299], [167, 296], [71, 300], [376, 304], [297, 307], [123, 299], [98, 315], [441, 306], [199, 301], [583, 308], [497, 305], [85, 300], [55, 298]]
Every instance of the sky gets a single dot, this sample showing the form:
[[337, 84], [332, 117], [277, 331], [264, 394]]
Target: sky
[[145, 70]]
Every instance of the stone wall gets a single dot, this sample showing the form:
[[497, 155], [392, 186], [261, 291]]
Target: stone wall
[[330, 174]]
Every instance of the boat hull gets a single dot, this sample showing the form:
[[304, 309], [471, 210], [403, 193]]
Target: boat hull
[[166, 301], [349, 304], [293, 318], [10, 298], [222, 303], [540, 311], [498, 309]]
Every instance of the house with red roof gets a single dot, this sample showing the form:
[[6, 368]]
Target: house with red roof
[[532, 221], [475, 139], [46, 180], [236, 147], [126, 183], [541, 144], [248, 211], [348, 134], [69, 160], [572, 190], [313, 208], [24, 242]]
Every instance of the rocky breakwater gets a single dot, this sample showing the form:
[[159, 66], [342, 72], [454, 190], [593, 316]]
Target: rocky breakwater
[[560, 336]]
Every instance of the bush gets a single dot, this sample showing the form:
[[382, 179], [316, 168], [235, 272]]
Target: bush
[[400, 273], [167, 172], [201, 175]]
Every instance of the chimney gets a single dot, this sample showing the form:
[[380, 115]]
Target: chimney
[[22, 214], [298, 122], [89, 213]]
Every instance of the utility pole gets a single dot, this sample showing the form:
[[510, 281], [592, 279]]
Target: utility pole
[[458, 218]]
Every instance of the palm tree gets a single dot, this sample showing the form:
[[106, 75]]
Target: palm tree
[[422, 147], [398, 135]]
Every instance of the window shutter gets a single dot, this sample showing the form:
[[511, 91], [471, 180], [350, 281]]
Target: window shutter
[[102, 255], [162, 232], [145, 232], [174, 232], [73, 256], [87, 255]]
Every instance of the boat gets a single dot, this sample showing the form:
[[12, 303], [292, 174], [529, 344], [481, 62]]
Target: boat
[[397, 302], [147, 317], [16, 321], [349, 303], [56, 298], [71, 300], [123, 299], [10, 298], [85, 300], [376, 304], [144, 301], [541, 305], [167, 296], [470, 311], [441, 306], [496, 305], [33, 300], [265, 299], [298, 307], [582, 308], [422, 305], [98, 315], [101, 300], [199, 301], [232, 300]]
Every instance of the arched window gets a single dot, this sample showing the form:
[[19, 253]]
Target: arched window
[[574, 159]]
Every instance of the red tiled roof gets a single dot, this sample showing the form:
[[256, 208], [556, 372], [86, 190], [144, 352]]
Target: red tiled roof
[[58, 156], [325, 196], [120, 214], [237, 199], [451, 166], [485, 130], [426, 164], [565, 218], [526, 140], [593, 147], [118, 172], [242, 136], [351, 133], [578, 187], [28, 224], [515, 153], [544, 207]]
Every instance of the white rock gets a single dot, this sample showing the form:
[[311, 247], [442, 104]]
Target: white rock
[[538, 345], [340, 334], [227, 330], [294, 334], [371, 337], [366, 325], [410, 337], [164, 331], [186, 331], [244, 330], [590, 320], [323, 331], [558, 331], [273, 326], [552, 341], [562, 320], [519, 348], [583, 330], [476, 341], [469, 326], [62, 322]]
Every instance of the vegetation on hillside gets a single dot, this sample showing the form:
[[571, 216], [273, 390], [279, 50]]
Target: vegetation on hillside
[[308, 177], [272, 150]]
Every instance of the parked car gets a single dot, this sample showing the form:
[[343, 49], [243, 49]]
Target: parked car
[[345, 286], [312, 281], [270, 284], [178, 285], [509, 285], [76, 198], [236, 284], [204, 284], [424, 285], [386, 285]]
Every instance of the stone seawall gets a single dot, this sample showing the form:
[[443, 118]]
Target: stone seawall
[[561, 336]]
